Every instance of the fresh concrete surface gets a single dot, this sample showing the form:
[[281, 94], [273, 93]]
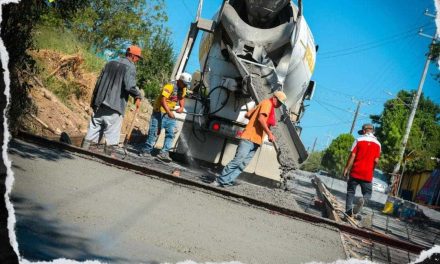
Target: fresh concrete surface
[[72, 207]]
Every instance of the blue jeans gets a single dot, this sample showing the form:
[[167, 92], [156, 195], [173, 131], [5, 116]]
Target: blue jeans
[[245, 152], [158, 121], [352, 183]]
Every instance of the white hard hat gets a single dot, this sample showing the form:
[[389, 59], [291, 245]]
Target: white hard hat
[[186, 78]]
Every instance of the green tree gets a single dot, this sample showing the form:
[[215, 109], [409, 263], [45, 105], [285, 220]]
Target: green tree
[[423, 141], [435, 56], [154, 70], [18, 21], [313, 163], [335, 156], [435, 51], [111, 24]]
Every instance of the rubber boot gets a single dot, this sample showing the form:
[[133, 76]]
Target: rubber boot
[[109, 150], [86, 144], [358, 206]]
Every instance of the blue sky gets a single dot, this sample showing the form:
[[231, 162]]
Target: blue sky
[[367, 49]]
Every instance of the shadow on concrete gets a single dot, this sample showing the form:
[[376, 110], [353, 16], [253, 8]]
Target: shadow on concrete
[[44, 239], [307, 184], [16, 167], [29, 151]]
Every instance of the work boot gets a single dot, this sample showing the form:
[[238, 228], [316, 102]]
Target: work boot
[[358, 217], [367, 221], [109, 150], [164, 156], [215, 183], [358, 206], [144, 154], [86, 144], [348, 214]]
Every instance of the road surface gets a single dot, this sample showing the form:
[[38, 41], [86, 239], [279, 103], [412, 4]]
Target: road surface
[[72, 207]]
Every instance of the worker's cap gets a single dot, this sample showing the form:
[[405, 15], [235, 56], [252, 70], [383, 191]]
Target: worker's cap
[[364, 127], [281, 96], [135, 50], [186, 78]]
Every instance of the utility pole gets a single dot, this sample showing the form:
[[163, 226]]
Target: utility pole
[[415, 103], [329, 135], [355, 116], [314, 145]]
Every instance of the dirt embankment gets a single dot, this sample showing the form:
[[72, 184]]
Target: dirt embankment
[[61, 94]]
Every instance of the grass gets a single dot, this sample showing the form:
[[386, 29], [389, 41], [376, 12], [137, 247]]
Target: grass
[[63, 89], [63, 40]]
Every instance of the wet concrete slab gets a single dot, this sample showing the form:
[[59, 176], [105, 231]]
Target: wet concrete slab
[[72, 207]]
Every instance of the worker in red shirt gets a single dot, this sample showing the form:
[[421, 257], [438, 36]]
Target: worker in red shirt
[[364, 157]]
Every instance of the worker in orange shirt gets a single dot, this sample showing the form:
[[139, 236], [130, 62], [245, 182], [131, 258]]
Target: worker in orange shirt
[[261, 119]]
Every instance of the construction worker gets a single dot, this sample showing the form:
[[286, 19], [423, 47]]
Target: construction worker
[[261, 119], [359, 169], [163, 115], [116, 82]]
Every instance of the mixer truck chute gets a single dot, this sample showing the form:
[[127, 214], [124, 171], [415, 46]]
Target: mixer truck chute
[[249, 50]]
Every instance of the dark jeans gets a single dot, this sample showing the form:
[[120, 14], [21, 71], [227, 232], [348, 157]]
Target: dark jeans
[[352, 183]]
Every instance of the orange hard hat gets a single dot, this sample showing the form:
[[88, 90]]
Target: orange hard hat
[[135, 50]]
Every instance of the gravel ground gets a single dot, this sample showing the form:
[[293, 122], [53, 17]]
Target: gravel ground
[[68, 206]]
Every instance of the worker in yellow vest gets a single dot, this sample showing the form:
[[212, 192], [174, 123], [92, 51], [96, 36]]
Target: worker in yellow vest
[[172, 93]]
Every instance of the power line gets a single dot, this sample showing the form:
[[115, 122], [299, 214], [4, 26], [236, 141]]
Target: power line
[[364, 49], [333, 124], [187, 9], [384, 72], [330, 111], [350, 96], [336, 91], [336, 107], [384, 40]]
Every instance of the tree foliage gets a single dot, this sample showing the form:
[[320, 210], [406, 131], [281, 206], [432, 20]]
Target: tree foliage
[[313, 163], [155, 69], [110, 24], [18, 21], [107, 25], [423, 141], [335, 156], [435, 51], [435, 56]]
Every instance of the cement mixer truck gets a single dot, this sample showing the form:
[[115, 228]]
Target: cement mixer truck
[[250, 49]]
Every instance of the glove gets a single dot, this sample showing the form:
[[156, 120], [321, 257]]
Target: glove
[[138, 103]]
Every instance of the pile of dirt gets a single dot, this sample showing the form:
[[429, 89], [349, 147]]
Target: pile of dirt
[[52, 116], [67, 68]]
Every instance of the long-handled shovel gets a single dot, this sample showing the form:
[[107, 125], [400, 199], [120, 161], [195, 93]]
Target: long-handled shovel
[[128, 135]]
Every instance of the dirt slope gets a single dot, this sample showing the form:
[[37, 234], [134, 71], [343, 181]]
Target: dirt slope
[[54, 115]]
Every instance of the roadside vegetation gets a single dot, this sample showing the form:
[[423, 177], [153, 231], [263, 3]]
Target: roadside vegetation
[[390, 126], [62, 47]]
